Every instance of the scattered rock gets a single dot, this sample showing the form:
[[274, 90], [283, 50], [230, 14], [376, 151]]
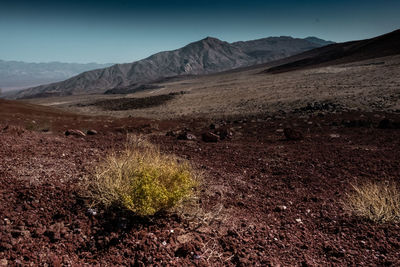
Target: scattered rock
[[292, 134], [209, 137], [77, 133]]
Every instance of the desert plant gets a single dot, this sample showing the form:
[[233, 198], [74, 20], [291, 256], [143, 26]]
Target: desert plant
[[141, 179], [376, 201]]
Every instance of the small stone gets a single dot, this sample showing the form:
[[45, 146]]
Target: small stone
[[3, 262], [298, 220]]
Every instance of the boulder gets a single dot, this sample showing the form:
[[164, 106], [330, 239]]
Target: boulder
[[77, 133], [91, 132]]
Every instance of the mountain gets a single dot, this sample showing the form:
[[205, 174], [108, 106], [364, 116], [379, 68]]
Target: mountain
[[208, 55], [17, 74], [381, 46]]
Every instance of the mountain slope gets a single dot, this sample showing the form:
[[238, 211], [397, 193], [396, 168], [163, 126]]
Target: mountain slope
[[381, 46], [17, 74], [205, 56]]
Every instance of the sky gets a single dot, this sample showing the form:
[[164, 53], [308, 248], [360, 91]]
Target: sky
[[119, 31]]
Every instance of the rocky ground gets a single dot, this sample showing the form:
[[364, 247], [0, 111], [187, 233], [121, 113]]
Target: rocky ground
[[264, 200]]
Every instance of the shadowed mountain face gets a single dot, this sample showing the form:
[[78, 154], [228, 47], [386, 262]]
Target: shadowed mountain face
[[381, 46], [202, 57], [17, 74]]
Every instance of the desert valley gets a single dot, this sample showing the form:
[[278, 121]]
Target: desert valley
[[282, 134]]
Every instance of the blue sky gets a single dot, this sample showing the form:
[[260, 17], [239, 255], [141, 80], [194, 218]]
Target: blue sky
[[118, 31]]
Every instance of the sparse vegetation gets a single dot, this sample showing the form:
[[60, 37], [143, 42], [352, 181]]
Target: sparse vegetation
[[118, 104], [376, 201], [142, 179]]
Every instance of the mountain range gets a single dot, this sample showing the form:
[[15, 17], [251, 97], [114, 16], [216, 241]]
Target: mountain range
[[18, 74], [208, 55]]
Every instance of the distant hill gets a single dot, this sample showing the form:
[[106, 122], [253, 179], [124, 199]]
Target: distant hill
[[208, 55], [18, 74], [381, 46]]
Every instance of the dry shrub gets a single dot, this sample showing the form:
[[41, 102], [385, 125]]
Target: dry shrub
[[142, 179], [376, 201]]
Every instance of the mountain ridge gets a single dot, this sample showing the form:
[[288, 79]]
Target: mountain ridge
[[383, 45], [208, 55]]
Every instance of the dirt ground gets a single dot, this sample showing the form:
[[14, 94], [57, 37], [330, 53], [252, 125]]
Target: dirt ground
[[370, 85], [263, 201]]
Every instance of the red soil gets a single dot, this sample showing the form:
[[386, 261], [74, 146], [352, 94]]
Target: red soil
[[247, 181]]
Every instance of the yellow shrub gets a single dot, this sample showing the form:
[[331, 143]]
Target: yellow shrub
[[376, 201], [142, 179]]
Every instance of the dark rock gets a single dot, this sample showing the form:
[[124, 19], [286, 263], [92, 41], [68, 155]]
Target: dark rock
[[209, 137], [76, 133], [186, 136], [91, 132], [292, 134]]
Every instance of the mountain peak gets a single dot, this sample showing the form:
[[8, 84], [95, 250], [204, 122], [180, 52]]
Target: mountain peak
[[211, 39]]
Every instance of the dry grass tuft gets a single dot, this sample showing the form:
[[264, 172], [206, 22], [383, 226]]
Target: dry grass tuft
[[376, 201], [141, 179]]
